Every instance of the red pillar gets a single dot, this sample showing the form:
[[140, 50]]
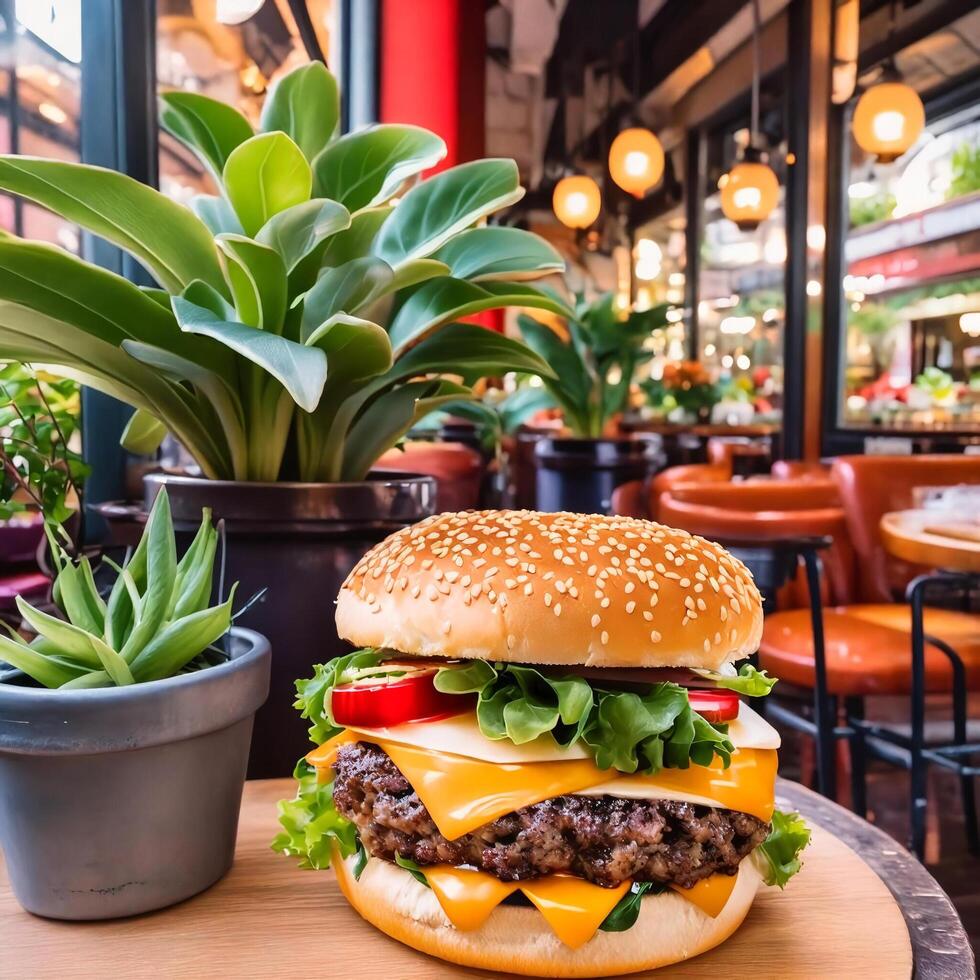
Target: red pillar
[[433, 74], [432, 71]]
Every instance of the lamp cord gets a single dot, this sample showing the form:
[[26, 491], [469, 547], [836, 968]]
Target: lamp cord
[[754, 126]]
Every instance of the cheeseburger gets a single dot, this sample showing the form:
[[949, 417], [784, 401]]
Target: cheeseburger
[[538, 759]]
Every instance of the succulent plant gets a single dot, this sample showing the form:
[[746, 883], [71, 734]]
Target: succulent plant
[[156, 619]]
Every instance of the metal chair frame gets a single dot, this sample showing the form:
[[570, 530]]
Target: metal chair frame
[[828, 724]]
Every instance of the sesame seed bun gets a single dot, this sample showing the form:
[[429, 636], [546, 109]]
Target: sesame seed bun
[[519, 940], [563, 589]]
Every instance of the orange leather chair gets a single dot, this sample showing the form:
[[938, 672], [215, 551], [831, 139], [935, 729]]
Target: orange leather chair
[[757, 495], [640, 498], [796, 469], [737, 451], [871, 486], [732, 519], [457, 470]]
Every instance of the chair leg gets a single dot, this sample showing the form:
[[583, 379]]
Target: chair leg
[[959, 738], [824, 706], [918, 795], [854, 708]]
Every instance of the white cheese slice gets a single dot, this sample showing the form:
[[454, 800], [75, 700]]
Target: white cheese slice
[[461, 735]]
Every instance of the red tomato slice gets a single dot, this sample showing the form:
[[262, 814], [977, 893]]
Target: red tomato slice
[[714, 706], [376, 704]]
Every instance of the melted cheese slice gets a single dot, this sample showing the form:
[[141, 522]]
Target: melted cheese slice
[[462, 794], [574, 908], [710, 895]]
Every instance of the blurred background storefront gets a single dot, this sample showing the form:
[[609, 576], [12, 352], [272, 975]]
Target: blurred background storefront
[[846, 310]]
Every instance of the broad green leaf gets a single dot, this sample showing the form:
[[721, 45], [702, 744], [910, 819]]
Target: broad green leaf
[[304, 229], [143, 434], [194, 588], [32, 337], [416, 271], [355, 241], [210, 128], [217, 214], [301, 370], [465, 348], [355, 348], [499, 253], [389, 417], [572, 386], [366, 168], [433, 211], [305, 104], [167, 238], [257, 277], [445, 298], [344, 289], [263, 176], [201, 294]]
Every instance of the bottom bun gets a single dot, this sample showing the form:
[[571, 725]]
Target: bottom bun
[[518, 940]]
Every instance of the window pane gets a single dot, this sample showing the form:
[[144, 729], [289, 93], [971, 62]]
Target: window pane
[[230, 50], [40, 79]]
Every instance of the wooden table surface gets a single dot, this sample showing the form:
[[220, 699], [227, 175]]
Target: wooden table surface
[[269, 919], [911, 535]]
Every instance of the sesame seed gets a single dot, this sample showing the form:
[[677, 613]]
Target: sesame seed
[[596, 619], [547, 598], [630, 606], [603, 637], [557, 608], [654, 636]]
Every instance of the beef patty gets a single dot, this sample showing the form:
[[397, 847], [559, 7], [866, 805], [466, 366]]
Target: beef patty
[[604, 839]]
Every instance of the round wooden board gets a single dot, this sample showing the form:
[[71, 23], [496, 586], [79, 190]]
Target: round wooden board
[[269, 919]]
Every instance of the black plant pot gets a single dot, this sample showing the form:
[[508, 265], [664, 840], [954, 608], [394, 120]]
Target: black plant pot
[[298, 541], [580, 474]]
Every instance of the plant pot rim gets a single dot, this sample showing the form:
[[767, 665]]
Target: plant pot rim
[[374, 478], [49, 721], [384, 500]]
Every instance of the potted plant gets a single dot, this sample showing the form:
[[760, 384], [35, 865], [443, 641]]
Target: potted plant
[[302, 324], [124, 731], [42, 472], [594, 368]]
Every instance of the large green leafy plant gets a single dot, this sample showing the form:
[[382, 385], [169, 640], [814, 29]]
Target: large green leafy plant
[[303, 321], [156, 620], [594, 367]]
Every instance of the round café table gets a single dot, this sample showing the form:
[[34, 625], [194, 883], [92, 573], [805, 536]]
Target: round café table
[[932, 538], [862, 906]]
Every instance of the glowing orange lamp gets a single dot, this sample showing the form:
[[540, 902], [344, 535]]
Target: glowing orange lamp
[[888, 118], [750, 193], [636, 160], [577, 201]]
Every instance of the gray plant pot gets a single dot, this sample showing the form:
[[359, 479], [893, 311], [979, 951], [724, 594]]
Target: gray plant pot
[[123, 800]]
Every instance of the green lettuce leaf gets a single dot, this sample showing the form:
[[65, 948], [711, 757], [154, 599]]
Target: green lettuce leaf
[[624, 730], [311, 824], [782, 848], [412, 868], [625, 912], [360, 862], [313, 695], [751, 682]]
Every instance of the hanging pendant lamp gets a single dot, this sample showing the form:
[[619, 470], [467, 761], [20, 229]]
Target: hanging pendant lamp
[[751, 189], [888, 117], [576, 201], [636, 160]]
